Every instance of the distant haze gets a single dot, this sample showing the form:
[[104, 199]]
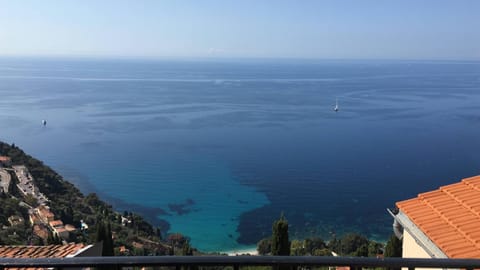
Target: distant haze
[[410, 29]]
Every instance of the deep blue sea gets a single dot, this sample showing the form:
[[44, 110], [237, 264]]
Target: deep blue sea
[[217, 150]]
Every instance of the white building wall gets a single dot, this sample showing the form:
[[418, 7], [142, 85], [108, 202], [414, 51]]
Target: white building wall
[[411, 249]]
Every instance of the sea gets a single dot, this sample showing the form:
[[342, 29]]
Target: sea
[[218, 149]]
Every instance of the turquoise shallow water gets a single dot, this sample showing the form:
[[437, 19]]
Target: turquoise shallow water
[[218, 149], [201, 197]]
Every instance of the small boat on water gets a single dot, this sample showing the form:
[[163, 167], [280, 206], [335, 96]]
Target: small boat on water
[[336, 106], [44, 122]]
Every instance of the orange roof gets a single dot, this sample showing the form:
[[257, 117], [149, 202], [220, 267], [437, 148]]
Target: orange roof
[[4, 158], [449, 216], [56, 223], [51, 251], [70, 228], [44, 211]]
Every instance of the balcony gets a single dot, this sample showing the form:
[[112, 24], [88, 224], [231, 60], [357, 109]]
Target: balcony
[[237, 262]]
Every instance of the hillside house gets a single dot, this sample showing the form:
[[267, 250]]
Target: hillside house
[[59, 229], [15, 220], [45, 214], [5, 161], [41, 231]]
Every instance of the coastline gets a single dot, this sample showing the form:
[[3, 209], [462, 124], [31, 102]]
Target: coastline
[[252, 251]]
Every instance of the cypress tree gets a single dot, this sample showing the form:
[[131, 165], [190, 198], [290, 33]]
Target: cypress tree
[[108, 244], [104, 235], [280, 241], [100, 234]]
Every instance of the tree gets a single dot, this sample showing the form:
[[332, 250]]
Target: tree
[[362, 251], [66, 215], [280, 241], [374, 249], [264, 246], [297, 248], [322, 252], [108, 246], [104, 235], [315, 243], [187, 249], [100, 234], [393, 247], [349, 244]]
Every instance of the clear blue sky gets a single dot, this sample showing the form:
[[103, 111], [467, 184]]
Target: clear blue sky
[[402, 29]]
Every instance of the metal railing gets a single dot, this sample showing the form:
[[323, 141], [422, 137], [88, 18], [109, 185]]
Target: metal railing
[[238, 261]]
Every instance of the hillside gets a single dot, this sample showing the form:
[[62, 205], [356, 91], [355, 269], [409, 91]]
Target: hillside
[[40, 207]]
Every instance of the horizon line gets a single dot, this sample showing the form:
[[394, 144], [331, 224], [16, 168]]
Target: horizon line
[[225, 58]]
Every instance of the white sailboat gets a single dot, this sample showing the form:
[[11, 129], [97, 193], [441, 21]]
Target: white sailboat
[[336, 106]]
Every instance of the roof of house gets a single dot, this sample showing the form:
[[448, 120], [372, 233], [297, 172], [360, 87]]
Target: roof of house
[[449, 216], [70, 227], [4, 158], [44, 211], [56, 223], [51, 251]]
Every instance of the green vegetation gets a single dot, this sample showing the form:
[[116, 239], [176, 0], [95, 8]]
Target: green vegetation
[[13, 234], [393, 247], [350, 244], [280, 241], [104, 235], [71, 206]]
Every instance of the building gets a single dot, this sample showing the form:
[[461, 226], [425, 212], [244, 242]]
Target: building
[[34, 218], [51, 251], [55, 223], [41, 231], [59, 229], [45, 214], [70, 228], [61, 232], [442, 223], [5, 161], [15, 220]]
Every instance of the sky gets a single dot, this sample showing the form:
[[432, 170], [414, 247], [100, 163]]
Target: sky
[[324, 29]]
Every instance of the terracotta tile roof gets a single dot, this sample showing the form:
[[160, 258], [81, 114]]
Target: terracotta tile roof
[[60, 229], [449, 216], [52, 251], [56, 223], [4, 159], [45, 212], [70, 228]]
